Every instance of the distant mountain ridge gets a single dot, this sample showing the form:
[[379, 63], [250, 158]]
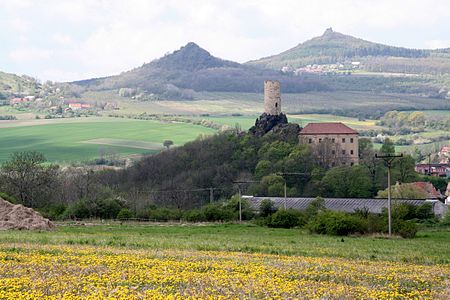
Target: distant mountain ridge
[[333, 47], [192, 68]]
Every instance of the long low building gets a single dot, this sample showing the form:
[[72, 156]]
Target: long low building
[[349, 205]]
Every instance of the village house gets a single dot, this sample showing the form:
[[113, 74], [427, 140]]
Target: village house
[[77, 106], [333, 143], [441, 169]]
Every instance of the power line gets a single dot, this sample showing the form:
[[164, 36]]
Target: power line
[[389, 159]]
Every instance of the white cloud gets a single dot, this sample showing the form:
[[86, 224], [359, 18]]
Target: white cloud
[[30, 54], [62, 39], [19, 25], [106, 37], [438, 44]]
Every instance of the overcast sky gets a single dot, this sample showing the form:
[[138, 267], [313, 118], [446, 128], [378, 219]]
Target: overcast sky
[[76, 39]]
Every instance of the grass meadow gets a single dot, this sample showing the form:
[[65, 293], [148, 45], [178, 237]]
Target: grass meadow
[[221, 261], [82, 139]]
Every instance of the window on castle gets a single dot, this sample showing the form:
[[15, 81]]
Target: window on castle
[[351, 140], [333, 152], [320, 140], [343, 140], [343, 152], [351, 151], [351, 164], [276, 105], [333, 140], [310, 141]]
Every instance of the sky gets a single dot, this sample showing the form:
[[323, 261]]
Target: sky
[[66, 40]]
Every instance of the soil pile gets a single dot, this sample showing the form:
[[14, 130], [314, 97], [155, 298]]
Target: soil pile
[[20, 217]]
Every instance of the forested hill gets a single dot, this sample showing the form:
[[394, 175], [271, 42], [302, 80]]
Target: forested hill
[[334, 47], [192, 68]]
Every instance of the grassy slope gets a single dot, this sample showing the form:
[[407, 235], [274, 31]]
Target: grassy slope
[[430, 247], [63, 141]]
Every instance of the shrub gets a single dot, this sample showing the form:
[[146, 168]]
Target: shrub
[[376, 223], [445, 220], [406, 229], [195, 215], [164, 214], [287, 218], [108, 208], [82, 209], [315, 207], [8, 198], [216, 212], [267, 208], [124, 214], [53, 212], [337, 223]]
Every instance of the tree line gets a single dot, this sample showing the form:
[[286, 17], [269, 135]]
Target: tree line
[[181, 177]]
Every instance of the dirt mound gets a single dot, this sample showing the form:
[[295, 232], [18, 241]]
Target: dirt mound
[[21, 217]]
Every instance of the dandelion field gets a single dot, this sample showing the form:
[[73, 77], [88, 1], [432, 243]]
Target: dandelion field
[[62, 265]]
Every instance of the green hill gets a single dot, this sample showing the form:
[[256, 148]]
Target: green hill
[[192, 69], [11, 85], [334, 47]]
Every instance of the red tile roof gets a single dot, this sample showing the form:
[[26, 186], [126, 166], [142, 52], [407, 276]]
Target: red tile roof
[[327, 128]]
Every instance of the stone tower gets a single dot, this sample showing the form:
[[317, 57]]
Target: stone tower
[[272, 97]]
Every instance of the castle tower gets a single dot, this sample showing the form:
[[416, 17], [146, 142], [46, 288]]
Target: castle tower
[[272, 97]]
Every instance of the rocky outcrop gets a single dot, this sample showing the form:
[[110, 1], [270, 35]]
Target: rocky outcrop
[[266, 123]]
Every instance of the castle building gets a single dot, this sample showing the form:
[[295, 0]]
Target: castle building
[[333, 144], [272, 97]]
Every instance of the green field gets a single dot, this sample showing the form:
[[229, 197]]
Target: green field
[[429, 247], [69, 140], [226, 261]]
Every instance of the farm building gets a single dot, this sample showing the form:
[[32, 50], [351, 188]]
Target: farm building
[[345, 204]]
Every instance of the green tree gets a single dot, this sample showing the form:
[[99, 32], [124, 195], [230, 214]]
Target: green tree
[[263, 168], [388, 147], [273, 185], [347, 181], [167, 143], [403, 191], [403, 169], [28, 179]]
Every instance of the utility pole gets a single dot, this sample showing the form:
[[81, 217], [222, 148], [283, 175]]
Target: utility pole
[[240, 195], [285, 184], [389, 158]]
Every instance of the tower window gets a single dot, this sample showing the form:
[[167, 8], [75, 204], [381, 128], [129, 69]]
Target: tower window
[[351, 151], [276, 105], [351, 140]]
